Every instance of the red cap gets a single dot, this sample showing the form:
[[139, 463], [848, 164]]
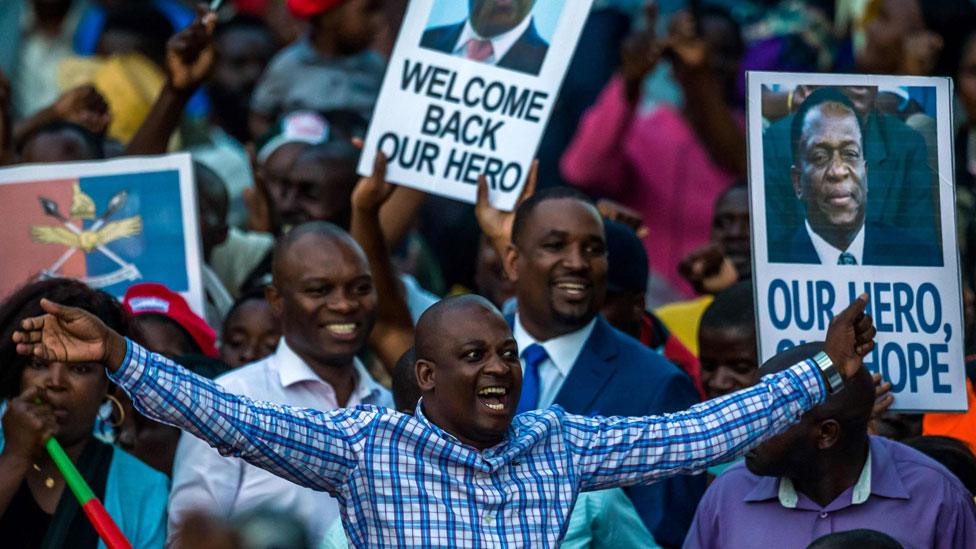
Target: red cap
[[153, 298], [308, 8]]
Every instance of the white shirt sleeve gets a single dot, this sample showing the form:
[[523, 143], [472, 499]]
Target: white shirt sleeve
[[202, 480]]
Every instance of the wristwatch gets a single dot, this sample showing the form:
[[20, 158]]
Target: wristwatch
[[835, 383]]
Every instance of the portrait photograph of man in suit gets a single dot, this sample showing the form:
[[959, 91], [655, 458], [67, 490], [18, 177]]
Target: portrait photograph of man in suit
[[502, 33], [831, 180]]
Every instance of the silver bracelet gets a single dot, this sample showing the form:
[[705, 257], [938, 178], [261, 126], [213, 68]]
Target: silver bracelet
[[835, 383]]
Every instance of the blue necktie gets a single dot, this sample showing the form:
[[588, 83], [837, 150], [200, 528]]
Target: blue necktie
[[532, 357], [846, 258]]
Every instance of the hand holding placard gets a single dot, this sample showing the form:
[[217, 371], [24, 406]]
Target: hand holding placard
[[373, 191], [495, 223]]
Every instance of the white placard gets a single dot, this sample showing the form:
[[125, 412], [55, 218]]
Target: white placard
[[852, 192], [444, 118]]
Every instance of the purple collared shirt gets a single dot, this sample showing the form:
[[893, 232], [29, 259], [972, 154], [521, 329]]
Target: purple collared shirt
[[912, 499]]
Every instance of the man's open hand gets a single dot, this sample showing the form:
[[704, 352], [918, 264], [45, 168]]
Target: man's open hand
[[372, 192], [190, 53], [850, 337], [69, 334], [84, 106], [495, 223]]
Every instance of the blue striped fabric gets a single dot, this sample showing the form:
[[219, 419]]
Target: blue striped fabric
[[402, 481]]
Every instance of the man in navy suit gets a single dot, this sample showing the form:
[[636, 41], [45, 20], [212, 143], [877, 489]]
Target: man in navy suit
[[556, 256], [830, 178], [496, 32]]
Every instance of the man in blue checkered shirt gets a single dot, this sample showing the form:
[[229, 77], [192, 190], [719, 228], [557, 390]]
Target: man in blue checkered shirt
[[461, 471]]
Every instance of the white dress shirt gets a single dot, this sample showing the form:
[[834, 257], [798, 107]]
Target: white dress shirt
[[563, 352], [500, 44], [204, 480], [829, 255]]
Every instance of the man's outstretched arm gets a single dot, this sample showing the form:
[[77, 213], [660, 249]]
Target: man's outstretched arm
[[623, 451], [309, 447]]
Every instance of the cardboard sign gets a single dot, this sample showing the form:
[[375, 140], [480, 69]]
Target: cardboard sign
[[468, 91], [852, 192], [110, 224]]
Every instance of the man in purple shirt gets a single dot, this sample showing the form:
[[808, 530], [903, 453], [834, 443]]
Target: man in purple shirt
[[824, 475]]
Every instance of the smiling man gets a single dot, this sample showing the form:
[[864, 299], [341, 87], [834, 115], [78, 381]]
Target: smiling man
[[496, 32], [322, 293], [573, 357], [464, 471], [830, 178]]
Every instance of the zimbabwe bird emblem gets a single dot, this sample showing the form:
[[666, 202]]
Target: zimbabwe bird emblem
[[101, 232]]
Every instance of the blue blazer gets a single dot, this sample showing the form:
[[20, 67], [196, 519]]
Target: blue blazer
[[526, 55], [883, 245], [615, 375]]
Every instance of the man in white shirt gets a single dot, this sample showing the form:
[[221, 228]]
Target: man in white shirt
[[830, 177], [323, 293], [500, 33]]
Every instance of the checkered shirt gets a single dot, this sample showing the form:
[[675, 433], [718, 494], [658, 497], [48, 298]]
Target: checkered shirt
[[402, 481]]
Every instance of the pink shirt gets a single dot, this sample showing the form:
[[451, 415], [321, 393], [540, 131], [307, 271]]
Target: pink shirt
[[651, 162]]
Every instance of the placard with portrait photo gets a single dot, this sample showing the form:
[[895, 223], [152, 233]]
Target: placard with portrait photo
[[468, 92], [851, 192]]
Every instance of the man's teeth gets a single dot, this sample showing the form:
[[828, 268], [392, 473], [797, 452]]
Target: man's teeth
[[342, 329], [488, 391], [495, 406], [571, 286]]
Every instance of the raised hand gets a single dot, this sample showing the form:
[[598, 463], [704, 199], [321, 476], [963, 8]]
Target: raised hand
[[495, 223], [84, 106], [190, 53], [27, 424], [256, 199], [372, 192], [614, 211], [69, 334], [708, 269], [640, 53], [850, 337]]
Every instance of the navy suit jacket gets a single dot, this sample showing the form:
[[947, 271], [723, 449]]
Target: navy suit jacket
[[615, 375], [526, 55], [883, 245]]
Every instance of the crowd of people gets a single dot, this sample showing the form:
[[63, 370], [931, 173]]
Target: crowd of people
[[380, 367]]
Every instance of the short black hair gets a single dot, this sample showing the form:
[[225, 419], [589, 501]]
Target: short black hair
[[251, 294], [524, 210], [142, 325], [209, 184], [828, 94], [627, 264], [145, 21], [954, 454], [406, 391], [320, 228], [243, 21], [861, 538], [733, 308], [94, 143], [26, 302], [428, 325], [851, 408]]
